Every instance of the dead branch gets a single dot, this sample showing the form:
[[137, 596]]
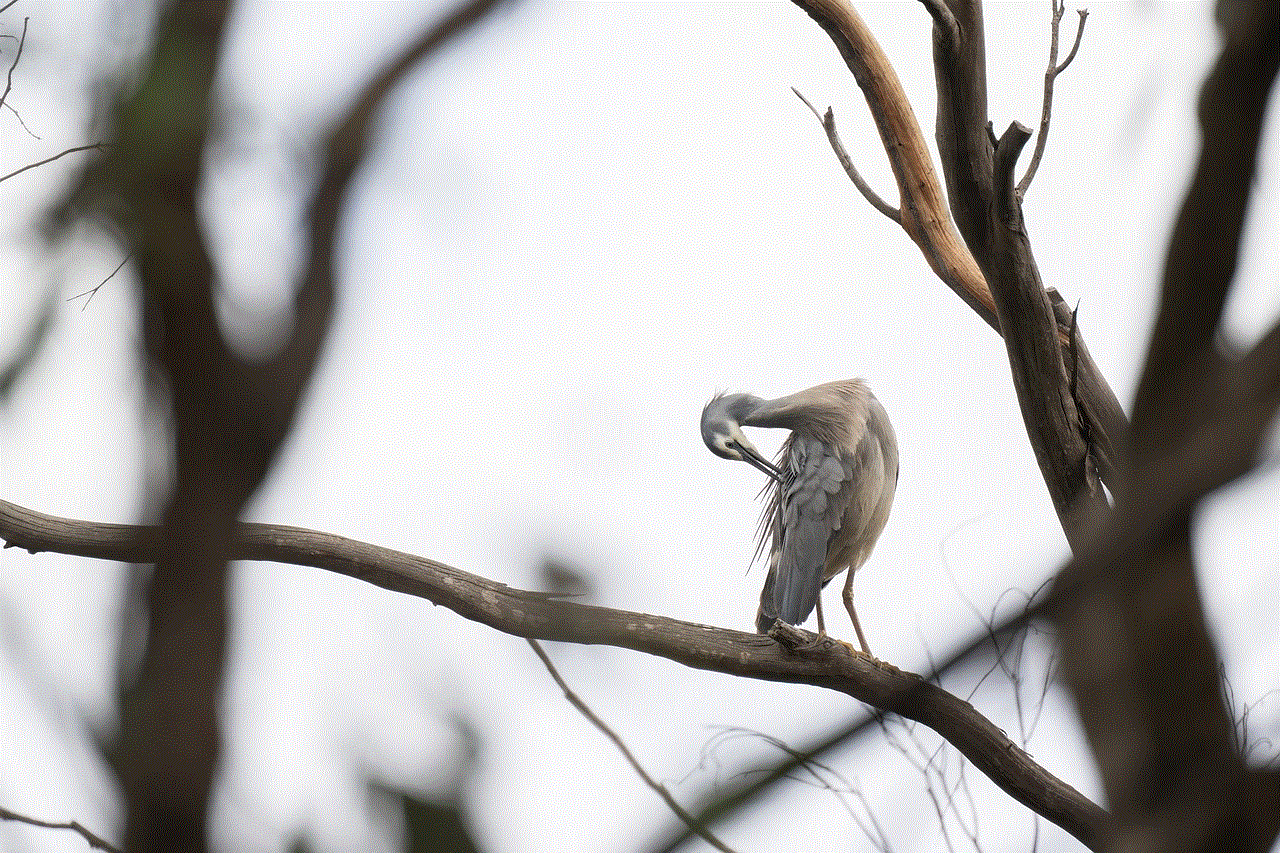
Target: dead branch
[[93, 291], [95, 841], [829, 125], [539, 616], [925, 219], [922, 207], [22, 40], [1040, 375], [945, 26], [93, 146], [1050, 75]]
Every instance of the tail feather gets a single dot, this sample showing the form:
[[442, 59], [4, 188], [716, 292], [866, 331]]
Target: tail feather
[[795, 594]]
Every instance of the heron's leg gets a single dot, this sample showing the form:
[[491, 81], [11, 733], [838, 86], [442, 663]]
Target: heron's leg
[[848, 605], [822, 629]]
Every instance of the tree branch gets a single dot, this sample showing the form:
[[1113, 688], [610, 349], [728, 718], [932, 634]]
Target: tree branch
[[829, 125], [90, 147], [8, 85], [1051, 74], [724, 803], [539, 616], [93, 291], [229, 415], [945, 28], [923, 209], [924, 213], [1040, 378], [95, 841]]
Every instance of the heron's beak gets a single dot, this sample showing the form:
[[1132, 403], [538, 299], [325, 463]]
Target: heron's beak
[[753, 457]]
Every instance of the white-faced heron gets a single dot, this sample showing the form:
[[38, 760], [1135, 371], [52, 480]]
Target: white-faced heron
[[830, 492]]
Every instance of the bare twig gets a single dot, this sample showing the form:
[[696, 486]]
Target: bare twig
[[93, 291], [1083, 13], [18, 116], [532, 614], [18, 55], [7, 5], [829, 125], [90, 147], [574, 700], [95, 841], [1050, 74], [821, 775]]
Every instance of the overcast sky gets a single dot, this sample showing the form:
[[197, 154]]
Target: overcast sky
[[581, 221]]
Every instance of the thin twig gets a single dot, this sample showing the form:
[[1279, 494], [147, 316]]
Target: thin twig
[[93, 291], [600, 724], [18, 116], [7, 5], [1083, 13], [1050, 75], [21, 41], [90, 146], [829, 125], [95, 841]]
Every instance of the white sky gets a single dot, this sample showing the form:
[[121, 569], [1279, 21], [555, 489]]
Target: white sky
[[583, 220]]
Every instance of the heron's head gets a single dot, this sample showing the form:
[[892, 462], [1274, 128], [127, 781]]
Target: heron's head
[[722, 431]]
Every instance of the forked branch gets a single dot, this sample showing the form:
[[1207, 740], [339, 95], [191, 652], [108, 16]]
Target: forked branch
[[1051, 74], [967, 154], [923, 209]]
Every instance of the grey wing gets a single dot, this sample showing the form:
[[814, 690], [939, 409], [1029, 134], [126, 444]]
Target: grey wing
[[874, 481], [811, 510]]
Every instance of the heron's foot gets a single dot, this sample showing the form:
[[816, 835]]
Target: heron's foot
[[801, 641], [825, 642]]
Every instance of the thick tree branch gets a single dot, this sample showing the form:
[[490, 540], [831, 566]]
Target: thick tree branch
[[924, 213], [945, 27], [539, 616], [923, 209], [1040, 376], [1050, 75], [1153, 710], [229, 415], [964, 144], [829, 125], [169, 739]]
